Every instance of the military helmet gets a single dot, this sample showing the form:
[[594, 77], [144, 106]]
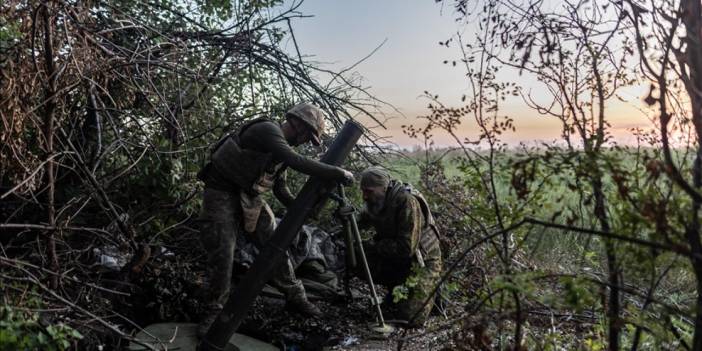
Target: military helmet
[[312, 116]]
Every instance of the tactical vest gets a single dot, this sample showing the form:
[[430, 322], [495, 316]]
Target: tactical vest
[[429, 242], [249, 170], [428, 217]]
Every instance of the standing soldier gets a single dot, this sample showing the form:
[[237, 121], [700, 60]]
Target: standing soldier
[[406, 244], [244, 165]]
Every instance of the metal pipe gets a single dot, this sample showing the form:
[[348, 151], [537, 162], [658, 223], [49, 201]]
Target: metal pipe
[[349, 239], [313, 192], [376, 301]]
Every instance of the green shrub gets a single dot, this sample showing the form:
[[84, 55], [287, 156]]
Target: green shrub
[[21, 330]]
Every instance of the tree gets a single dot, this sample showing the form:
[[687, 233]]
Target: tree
[[109, 107], [638, 201]]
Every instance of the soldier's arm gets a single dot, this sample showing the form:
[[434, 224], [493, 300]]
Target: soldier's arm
[[409, 226], [271, 137], [281, 190]]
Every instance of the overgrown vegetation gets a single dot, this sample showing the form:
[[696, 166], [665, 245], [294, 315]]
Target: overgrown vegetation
[[592, 245], [108, 109]]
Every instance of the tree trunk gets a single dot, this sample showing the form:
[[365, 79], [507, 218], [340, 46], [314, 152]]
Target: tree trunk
[[49, 140], [693, 238], [691, 13], [613, 275]]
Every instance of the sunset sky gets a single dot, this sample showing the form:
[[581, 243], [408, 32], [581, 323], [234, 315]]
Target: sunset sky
[[411, 61]]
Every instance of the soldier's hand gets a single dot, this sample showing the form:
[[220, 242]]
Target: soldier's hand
[[346, 210], [348, 177]]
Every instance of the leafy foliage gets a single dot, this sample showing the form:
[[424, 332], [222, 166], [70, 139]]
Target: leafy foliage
[[22, 330], [108, 112], [604, 234]]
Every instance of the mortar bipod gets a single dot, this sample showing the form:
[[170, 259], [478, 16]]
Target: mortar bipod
[[348, 216], [343, 211]]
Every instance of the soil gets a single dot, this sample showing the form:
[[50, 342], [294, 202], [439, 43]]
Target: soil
[[346, 325]]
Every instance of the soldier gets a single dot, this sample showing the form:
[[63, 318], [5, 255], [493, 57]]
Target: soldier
[[244, 165], [405, 250]]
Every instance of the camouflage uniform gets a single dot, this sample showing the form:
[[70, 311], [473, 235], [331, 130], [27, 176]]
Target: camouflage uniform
[[219, 220], [403, 226], [244, 165]]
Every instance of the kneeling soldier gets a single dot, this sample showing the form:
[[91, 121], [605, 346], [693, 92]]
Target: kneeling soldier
[[406, 244]]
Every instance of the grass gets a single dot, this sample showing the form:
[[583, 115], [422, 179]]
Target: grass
[[556, 196]]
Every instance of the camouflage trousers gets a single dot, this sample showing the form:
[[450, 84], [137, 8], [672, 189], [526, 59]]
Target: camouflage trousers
[[220, 220], [415, 281]]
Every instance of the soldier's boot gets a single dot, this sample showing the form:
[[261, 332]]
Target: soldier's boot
[[301, 305], [296, 298], [207, 321]]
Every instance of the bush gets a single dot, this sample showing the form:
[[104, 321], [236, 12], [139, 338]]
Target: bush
[[22, 330]]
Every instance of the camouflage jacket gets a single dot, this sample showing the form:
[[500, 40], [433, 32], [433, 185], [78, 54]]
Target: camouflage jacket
[[254, 159]]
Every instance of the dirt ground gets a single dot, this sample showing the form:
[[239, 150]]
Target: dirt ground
[[169, 289], [346, 325]]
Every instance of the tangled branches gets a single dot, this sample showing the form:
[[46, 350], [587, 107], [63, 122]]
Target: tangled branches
[[107, 111]]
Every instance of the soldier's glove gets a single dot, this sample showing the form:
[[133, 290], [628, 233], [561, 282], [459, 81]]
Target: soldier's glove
[[342, 213], [348, 178], [346, 210]]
